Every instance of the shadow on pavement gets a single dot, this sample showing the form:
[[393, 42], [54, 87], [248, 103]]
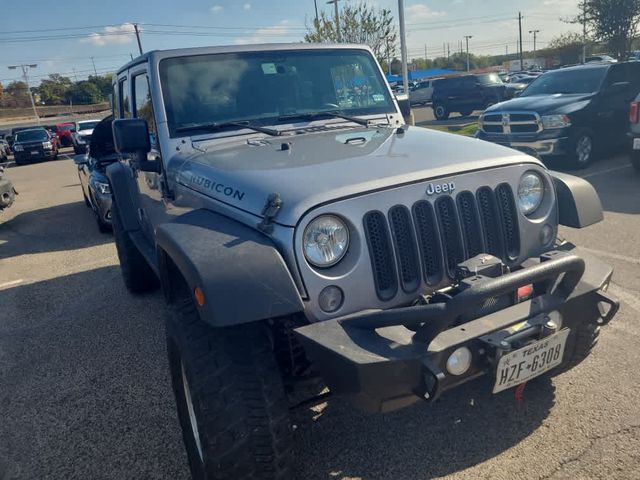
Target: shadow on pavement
[[68, 226], [84, 384], [462, 429]]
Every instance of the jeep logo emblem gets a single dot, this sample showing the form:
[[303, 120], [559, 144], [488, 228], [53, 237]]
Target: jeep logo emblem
[[440, 188]]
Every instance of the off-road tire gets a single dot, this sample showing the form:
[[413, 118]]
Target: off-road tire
[[635, 160], [237, 398], [440, 111], [586, 339], [136, 272]]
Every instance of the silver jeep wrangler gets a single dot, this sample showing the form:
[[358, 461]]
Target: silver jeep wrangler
[[303, 235]]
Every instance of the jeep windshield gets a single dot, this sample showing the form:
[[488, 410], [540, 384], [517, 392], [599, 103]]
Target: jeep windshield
[[574, 81], [270, 88]]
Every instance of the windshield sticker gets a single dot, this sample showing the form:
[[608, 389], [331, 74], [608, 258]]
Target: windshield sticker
[[269, 68], [378, 97]]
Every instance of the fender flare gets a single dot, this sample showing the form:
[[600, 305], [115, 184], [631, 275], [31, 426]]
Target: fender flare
[[578, 202], [124, 192], [241, 273]]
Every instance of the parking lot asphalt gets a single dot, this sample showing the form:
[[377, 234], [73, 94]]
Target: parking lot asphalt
[[85, 391]]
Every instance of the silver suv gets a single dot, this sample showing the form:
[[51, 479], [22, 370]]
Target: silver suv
[[303, 235]]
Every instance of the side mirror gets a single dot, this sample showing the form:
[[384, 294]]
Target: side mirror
[[403, 103], [131, 136]]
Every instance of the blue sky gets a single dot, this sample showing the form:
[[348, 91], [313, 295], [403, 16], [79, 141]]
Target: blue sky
[[101, 28]]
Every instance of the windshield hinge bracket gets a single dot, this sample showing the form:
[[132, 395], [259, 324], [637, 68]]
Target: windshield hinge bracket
[[270, 211]]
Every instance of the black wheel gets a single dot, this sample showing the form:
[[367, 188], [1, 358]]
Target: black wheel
[[230, 399], [582, 150], [7, 198], [635, 160], [579, 348], [102, 226], [136, 272], [55, 155], [440, 111], [466, 113]]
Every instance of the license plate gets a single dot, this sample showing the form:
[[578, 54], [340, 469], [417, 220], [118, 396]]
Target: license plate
[[528, 362], [34, 152], [636, 143]]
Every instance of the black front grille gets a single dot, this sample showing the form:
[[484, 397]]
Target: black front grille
[[428, 241]]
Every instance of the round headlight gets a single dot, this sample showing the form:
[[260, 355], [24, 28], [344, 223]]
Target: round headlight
[[325, 241], [530, 193]]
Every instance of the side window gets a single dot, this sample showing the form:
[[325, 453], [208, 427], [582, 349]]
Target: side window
[[124, 107], [616, 74], [142, 104], [115, 106]]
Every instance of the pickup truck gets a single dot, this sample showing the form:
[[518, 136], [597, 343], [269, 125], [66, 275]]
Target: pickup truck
[[575, 113]]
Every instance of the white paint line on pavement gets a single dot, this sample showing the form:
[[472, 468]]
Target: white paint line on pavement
[[607, 170], [10, 284], [615, 256], [626, 296]]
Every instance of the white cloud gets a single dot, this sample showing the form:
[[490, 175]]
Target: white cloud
[[118, 35], [246, 7], [267, 34], [420, 12], [217, 9]]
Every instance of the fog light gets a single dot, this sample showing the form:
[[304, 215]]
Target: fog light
[[546, 234], [330, 299], [459, 361]]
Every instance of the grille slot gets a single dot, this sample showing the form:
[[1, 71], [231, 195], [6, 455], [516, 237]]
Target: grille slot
[[491, 225], [429, 241], [450, 233], [470, 221], [382, 262], [509, 217], [406, 249]]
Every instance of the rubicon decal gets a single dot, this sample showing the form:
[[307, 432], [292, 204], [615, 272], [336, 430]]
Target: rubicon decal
[[437, 188], [216, 187]]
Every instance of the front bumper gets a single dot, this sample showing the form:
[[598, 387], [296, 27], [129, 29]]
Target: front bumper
[[388, 359], [535, 145], [28, 155]]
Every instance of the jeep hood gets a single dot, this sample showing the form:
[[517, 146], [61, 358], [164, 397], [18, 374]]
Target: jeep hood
[[561, 103], [315, 168]]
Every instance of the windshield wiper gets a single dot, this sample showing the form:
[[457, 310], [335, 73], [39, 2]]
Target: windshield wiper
[[329, 113], [211, 127]]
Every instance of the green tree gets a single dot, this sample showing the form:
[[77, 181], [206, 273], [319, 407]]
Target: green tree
[[103, 83], [358, 24], [16, 95], [53, 90], [84, 92]]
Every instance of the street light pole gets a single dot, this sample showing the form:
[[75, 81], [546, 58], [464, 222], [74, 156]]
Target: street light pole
[[94, 67], [467, 37], [315, 4], [335, 4], [403, 48], [25, 75], [535, 36]]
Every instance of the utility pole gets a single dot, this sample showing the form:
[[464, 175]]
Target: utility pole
[[467, 37], [403, 47], [535, 36], [425, 55], [75, 76], [335, 4], [95, 72], [135, 27], [25, 75], [444, 50], [315, 4], [506, 50], [448, 51], [520, 29]]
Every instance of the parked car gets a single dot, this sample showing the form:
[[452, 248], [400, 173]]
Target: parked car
[[82, 135], [91, 171], [64, 131], [7, 191], [576, 112], [634, 56], [600, 59], [334, 247], [421, 92], [34, 144], [5, 150], [634, 118], [14, 130], [465, 94]]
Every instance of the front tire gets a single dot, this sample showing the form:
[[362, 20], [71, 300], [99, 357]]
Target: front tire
[[440, 112], [582, 151], [231, 403], [137, 274]]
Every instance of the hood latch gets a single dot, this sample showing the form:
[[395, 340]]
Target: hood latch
[[270, 212]]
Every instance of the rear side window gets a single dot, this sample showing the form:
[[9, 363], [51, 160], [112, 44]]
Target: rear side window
[[143, 107], [125, 107]]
